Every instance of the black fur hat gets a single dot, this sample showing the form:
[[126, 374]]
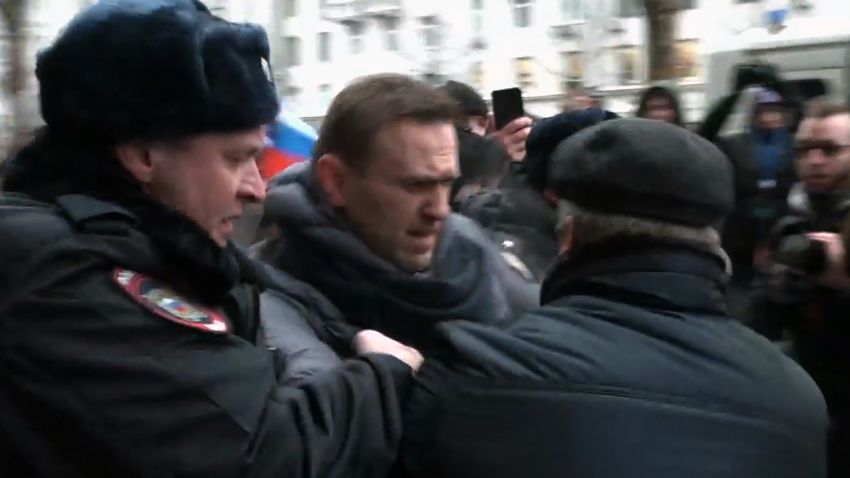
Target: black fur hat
[[154, 69]]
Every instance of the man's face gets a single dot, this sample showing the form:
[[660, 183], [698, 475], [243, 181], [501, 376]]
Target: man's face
[[209, 178], [660, 109], [770, 117], [398, 203], [584, 101], [823, 153]]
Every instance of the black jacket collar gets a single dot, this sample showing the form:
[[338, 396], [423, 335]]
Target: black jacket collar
[[645, 274], [97, 194]]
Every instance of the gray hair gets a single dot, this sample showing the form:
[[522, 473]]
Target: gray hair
[[591, 227]]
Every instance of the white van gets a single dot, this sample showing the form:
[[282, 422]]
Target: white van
[[804, 61]]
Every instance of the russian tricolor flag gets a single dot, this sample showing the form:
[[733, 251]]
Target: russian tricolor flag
[[290, 140]]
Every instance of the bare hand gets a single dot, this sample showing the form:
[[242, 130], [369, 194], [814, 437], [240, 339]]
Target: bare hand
[[513, 136], [834, 276], [373, 342]]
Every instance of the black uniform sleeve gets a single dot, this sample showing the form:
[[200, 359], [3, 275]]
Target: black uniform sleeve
[[288, 332], [93, 384]]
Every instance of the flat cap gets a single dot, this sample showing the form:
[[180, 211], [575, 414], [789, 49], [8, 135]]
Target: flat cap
[[644, 168]]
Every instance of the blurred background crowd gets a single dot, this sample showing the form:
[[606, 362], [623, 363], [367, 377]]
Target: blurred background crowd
[[559, 52]]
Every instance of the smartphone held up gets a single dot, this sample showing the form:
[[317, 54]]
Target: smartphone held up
[[507, 106]]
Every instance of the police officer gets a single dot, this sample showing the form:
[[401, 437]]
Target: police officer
[[129, 339]]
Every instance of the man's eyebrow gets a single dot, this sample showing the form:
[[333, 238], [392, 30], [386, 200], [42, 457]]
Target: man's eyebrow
[[431, 178], [246, 150]]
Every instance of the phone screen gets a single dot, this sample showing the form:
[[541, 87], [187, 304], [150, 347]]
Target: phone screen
[[507, 106]]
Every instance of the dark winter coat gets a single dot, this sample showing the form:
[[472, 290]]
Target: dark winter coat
[[630, 369], [131, 345], [468, 279], [758, 204], [520, 222]]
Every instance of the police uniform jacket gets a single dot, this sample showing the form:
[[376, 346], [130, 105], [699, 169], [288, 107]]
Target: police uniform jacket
[[130, 346]]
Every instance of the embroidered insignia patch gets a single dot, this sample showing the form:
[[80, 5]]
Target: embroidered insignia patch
[[168, 304]]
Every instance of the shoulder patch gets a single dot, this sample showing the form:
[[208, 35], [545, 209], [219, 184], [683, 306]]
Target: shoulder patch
[[168, 304]]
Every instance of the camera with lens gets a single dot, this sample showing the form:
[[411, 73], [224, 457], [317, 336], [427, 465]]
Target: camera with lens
[[801, 253], [793, 248]]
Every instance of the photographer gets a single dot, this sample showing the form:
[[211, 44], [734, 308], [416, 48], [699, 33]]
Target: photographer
[[754, 126], [805, 292]]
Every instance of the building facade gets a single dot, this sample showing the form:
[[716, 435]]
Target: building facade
[[542, 46], [44, 18]]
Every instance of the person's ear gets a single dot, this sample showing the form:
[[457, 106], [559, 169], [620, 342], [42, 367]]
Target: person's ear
[[137, 159], [332, 175], [567, 236], [550, 197]]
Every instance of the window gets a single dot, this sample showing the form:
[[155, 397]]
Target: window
[[631, 8], [476, 76], [325, 95], [391, 34], [687, 58], [628, 64], [215, 7], [572, 10], [524, 73], [290, 8], [573, 65], [431, 32], [355, 36], [292, 93], [324, 46], [434, 78], [478, 17], [293, 51], [522, 13]]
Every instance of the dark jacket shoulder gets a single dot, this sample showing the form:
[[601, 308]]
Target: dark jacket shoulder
[[633, 350], [301, 325], [27, 226]]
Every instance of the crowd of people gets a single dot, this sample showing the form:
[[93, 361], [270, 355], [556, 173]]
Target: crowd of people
[[580, 295]]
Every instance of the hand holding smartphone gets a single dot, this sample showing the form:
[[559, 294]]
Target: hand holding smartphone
[[507, 106]]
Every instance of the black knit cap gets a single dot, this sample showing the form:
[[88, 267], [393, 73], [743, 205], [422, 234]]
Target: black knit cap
[[154, 69], [548, 133], [644, 168], [470, 103]]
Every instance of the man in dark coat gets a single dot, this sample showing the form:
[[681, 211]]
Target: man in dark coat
[[130, 343], [660, 103], [520, 215], [632, 366], [368, 222], [763, 166], [792, 303], [473, 112], [482, 163]]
